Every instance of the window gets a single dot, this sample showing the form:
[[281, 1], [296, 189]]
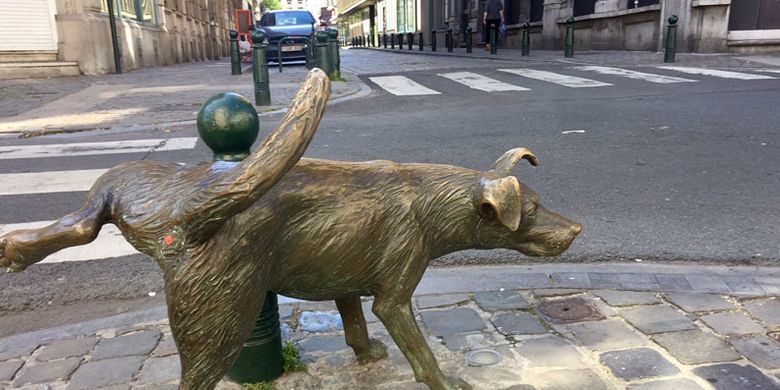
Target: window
[[584, 7], [287, 18], [140, 10], [537, 10]]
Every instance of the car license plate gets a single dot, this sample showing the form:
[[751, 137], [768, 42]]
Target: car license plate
[[292, 47]]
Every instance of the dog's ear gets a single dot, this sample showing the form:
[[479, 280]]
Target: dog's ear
[[507, 162], [500, 199]]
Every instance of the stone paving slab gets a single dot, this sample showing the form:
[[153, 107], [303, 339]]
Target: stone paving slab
[[768, 311], [47, 372], [67, 348], [735, 377], [500, 300], [692, 302], [626, 298], [610, 334], [669, 384], [761, 350], [696, 347], [732, 324], [657, 319], [638, 363], [101, 373]]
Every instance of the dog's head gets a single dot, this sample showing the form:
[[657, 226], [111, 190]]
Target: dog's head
[[511, 216]]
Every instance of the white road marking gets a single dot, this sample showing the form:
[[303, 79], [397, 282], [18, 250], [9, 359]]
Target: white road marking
[[718, 73], [769, 70], [482, 83], [573, 132], [402, 86], [48, 182], [93, 148], [109, 243], [631, 74], [560, 79]]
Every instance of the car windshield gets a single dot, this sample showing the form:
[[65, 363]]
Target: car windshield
[[287, 18]]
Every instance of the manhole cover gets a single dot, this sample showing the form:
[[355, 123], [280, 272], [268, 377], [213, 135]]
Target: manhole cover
[[561, 311]]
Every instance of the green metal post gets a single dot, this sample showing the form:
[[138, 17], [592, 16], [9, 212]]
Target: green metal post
[[400, 37], [569, 44], [671, 39], [422, 41], [433, 40], [469, 47], [228, 124], [114, 38], [392, 41], [493, 39], [333, 52], [310, 52], [324, 62], [448, 40], [260, 69], [526, 40], [410, 40], [235, 56], [384, 40]]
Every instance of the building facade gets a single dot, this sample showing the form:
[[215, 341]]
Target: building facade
[[149, 32], [704, 25]]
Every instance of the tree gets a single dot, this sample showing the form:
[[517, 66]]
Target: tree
[[271, 5]]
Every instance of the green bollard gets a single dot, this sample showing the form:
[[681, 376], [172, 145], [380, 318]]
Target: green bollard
[[422, 41], [569, 44], [333, 52], [526, 44], [433, 40], [448, 40], [260, 69], [323, 60], [410, 40], [392, 41], [493, 39], [671, 39], [235, 56], [228, 124], [469, 47]]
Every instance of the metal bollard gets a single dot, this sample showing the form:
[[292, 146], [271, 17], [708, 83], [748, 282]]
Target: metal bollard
[[235, 56], [373, 40], [422, 43], [448, 40], [493, 39], [526, 44], [311, 55], [569, 44], [400, 37], [671, 39], [333, 52], [384, 40], [433, 40], [261, 357], [392, 40], [410, 40], [323, 60], [469, 48], [260, 69]]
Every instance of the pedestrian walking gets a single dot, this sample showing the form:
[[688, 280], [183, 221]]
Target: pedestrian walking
[[492, 19]]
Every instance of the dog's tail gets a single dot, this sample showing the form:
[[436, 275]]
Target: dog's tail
[[238, 188]]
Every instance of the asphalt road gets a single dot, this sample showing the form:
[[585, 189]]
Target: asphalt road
[[666, 172]]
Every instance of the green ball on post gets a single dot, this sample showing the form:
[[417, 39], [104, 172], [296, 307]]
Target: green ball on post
[[228, 124]]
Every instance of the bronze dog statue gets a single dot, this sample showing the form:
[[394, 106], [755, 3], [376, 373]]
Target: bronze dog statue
[[224, 234]]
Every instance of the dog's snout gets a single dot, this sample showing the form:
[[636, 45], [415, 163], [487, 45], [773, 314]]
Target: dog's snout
[[576, 228]]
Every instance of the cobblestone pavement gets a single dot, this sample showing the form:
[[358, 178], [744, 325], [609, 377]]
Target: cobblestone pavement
[[151, 96], [622, 326]]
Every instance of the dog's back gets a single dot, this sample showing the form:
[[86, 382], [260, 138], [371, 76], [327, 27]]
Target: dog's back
[[329, 218]]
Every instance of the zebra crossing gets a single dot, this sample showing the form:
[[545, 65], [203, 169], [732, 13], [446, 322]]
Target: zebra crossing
[[404, 86], [56, 183]]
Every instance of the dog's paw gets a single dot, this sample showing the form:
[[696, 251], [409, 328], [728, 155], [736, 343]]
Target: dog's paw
[[7, 258], [5, 262], [376, 351]]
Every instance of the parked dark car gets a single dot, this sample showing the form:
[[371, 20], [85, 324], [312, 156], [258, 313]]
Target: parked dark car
[[295, 25]]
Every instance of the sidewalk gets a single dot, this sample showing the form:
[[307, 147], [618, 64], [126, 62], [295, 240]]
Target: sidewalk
[[150, 97], [556, 326]]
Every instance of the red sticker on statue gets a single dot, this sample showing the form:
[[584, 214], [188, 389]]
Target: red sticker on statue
[[168, 240]]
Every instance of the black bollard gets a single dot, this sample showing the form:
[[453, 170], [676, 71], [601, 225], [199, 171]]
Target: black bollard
[[235, 55], [433, 40], [400, 38], [392, 40], [526, 43], [410, 40], [384, 40], [469, 48], [260, 69], [448, 40], [422, 43], [569, 44], [493, 39], [671, 39]]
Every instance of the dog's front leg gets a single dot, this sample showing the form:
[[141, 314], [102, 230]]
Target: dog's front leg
[[396, 314], [355, 330]]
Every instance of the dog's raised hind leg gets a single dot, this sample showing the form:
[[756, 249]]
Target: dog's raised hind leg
[[20, 249], [356, 332]]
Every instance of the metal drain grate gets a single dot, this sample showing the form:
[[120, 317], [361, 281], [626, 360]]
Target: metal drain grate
[[563, 311]]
